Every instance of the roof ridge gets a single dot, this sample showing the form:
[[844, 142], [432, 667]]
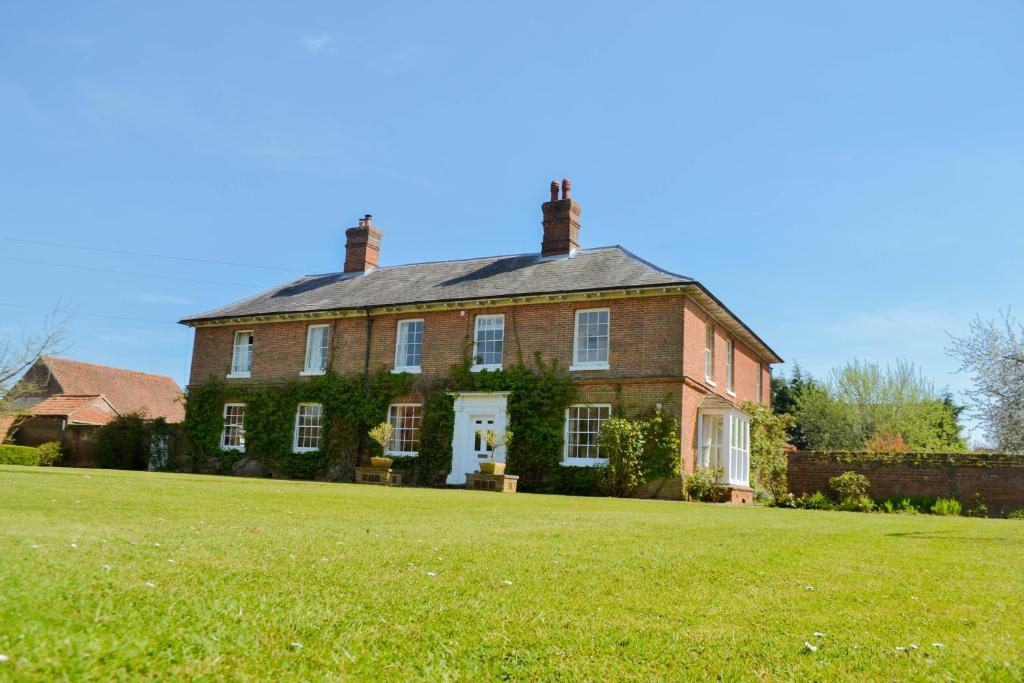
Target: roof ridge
[[49, 357]]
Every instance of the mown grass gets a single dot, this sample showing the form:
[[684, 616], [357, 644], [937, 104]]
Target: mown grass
[[189, 577]]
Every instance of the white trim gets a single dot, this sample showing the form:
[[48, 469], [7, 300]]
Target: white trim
[[578, 365], [232, 373], [476, 332], [295, 429], [306, 370], [730, 367], [413, 369], [223, 430], [581, 462], [467, 405], [731, 392], [239, 375], [404, 454]]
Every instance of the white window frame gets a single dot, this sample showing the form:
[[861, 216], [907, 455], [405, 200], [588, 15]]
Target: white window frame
[[477, 367], [730, 367], [732, 447], [709, 354], [306, 369], [400, 346], [234, 373], [760, 383], [577, 364], [295, 432], [392, 416], [224, 428], [581, 462]]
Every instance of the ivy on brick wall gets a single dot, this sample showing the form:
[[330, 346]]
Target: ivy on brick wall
[[351, 405]]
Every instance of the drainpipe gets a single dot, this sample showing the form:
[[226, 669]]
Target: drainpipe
[[369, 338]]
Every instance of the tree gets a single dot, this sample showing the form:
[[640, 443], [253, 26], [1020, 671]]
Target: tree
[[785, 393], [861, 400], [17, 355], [993, 352]]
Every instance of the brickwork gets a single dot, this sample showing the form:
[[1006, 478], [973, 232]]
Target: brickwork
[[998, 477]]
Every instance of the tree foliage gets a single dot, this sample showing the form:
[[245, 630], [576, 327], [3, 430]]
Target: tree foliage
[[860, 400], [622, 442], [993, 352]]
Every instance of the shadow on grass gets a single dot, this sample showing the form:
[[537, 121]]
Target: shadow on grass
[[944, 535]]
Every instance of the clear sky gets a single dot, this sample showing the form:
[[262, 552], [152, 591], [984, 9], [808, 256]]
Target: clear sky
[[848, 179]]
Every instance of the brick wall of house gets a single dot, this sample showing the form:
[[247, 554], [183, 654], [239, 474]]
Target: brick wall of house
[[646, 340], [998, 477]]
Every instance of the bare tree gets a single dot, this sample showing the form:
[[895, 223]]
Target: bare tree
[[993, 353], [18, 355]]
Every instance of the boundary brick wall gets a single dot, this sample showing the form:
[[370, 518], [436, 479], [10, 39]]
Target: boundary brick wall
[[998, 477]]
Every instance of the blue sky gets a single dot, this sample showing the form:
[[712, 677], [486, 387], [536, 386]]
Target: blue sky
[[847, 178]]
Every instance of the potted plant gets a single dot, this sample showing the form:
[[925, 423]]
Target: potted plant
[[494, 442], [381, 434]]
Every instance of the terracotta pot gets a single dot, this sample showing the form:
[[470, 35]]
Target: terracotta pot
[[492, 468], [381, 463]]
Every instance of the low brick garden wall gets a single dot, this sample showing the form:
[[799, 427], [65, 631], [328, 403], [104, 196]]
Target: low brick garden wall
[[998, 477]]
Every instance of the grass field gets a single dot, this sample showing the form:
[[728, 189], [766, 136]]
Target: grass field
[[117, 575]]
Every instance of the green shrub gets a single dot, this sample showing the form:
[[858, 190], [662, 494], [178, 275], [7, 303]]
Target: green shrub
[[898, 505], [947, 506], [703, 484], [814, 501], [857, 504], [1016, 514], [622, 442], [123, 444], [50, 452], [19, 455], [849, 485], [661, 444], [978, 507], [578, 481]]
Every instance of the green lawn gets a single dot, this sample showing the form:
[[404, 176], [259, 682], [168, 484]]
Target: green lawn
[[179, 576]]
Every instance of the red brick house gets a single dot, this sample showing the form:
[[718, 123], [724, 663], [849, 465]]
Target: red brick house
[[630, 334], [69, 399]]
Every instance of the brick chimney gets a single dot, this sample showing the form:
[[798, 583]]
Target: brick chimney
[[561, 222], [362, 246]]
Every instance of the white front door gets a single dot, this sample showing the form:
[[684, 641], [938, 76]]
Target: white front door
[[475, 415]]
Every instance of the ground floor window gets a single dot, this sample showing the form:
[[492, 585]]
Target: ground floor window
[[724, 439], [307, 427], [405, 419], [232, 436], [582, 429]]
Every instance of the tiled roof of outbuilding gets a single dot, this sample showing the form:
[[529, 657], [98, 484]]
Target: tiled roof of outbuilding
[[128, 391]]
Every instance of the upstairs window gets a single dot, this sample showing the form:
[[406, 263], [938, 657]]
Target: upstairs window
[[241, 355], [709, 354], [405, 419], [409, 346], [590, 349], [760, 383], [232, 437], [582, 431], [307, 427], [316, 350], [489, 341], [730, 367]]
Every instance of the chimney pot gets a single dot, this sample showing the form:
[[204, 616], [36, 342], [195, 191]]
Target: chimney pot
[[561, 222], [362, 246]]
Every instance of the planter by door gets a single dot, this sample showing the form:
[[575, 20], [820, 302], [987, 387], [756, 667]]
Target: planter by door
[[475, 414]]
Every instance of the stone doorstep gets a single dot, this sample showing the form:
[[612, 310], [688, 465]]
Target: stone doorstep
[[379, 476], [501, 483]]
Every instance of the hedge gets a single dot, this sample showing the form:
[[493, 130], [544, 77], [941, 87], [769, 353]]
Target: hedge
[[19, 455]]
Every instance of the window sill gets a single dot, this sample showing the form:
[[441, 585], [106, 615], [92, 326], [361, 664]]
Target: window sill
[[479, 368], [731, 392], [401, 454], [236, 449], [412, 370], [312, 373], [581, 367], [708, 380], [304, 450], [584, 462], [239, 375]]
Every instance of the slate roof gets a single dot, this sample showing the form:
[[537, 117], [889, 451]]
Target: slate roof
[[127, 391], [596, 269]]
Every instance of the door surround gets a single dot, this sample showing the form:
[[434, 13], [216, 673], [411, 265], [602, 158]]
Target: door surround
[[468, 405]]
